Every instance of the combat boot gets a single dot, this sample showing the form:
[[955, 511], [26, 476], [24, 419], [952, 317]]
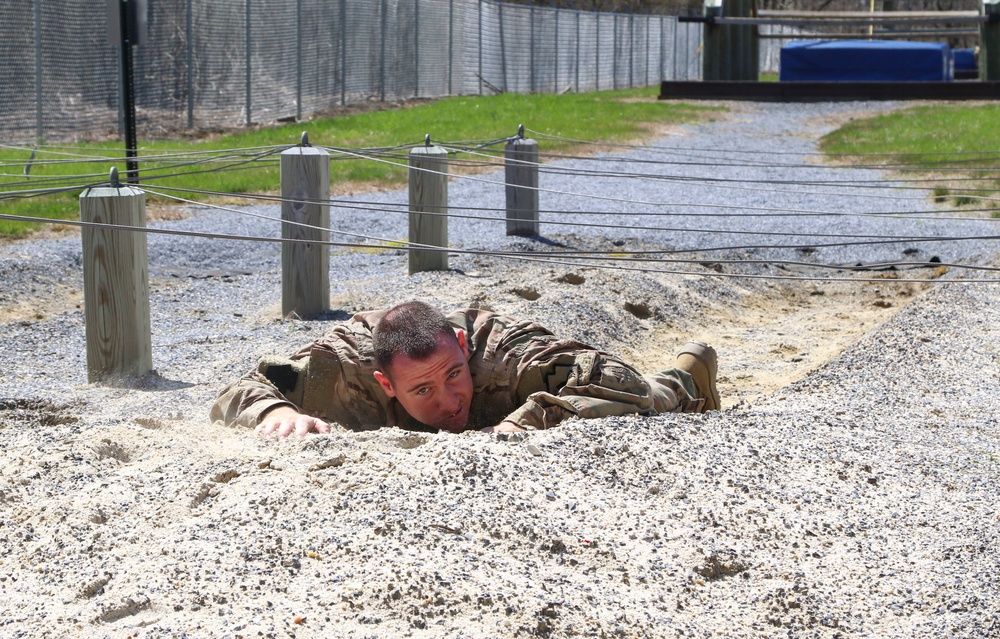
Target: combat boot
[[699, 359]]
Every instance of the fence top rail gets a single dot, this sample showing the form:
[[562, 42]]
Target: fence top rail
[[881, 35], [839, 22], [854, 15]]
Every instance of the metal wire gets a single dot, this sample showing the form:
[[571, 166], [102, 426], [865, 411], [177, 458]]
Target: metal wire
[[613, 259], [616, 252], [534, 256], [391, 207], [725, 182], [610, 198], [655, 147]]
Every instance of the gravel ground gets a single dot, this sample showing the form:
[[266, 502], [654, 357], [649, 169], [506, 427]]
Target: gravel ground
[[855, 498]]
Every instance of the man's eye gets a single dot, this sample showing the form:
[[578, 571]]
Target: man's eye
[[423, 391], [454, 374]]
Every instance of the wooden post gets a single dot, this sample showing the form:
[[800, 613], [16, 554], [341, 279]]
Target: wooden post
[[711, 57], [521, 168], [989, 43], [305, 266], [731, 52], [428, 177], [115, 283]]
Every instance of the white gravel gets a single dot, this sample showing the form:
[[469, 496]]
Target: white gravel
[[858, 501]]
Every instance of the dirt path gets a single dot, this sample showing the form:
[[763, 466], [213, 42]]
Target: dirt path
[[775, 335], [776, 340]]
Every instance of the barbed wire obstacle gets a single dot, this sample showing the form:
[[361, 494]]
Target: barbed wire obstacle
[[115, 263], [480, 154], [596, 259], [234, 159]]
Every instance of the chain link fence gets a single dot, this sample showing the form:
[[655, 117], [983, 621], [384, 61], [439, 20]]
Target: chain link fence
[[228, 63]]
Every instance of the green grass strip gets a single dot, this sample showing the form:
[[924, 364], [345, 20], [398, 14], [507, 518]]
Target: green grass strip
[[614, 116], [951, 142]]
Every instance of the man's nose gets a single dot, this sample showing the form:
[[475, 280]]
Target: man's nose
[[450, 401]]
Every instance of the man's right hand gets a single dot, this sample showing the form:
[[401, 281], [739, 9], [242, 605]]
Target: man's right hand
[[285, 421], [503, 427]]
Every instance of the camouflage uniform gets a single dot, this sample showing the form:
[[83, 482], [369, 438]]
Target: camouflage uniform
[[521, 372]]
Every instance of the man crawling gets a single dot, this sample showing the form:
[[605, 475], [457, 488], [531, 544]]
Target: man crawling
[[415, 368]]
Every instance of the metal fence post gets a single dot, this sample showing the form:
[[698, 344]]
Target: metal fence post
[[663, 50], [189, 33], [127, 41], [503, 47], [531, 48], [597, 52], [416, 48], [576, 71], [451, 42], [614, 53], [556, 87], [298, 59], [343, 52], [676, 55], [631, 50], [248, 48], [673, 25], [381, 71], [39, 127], [480, 75], [647, 24]]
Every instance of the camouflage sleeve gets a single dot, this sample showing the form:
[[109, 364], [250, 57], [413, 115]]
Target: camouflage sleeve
[[272, 383], [339, 359], [558, 379]]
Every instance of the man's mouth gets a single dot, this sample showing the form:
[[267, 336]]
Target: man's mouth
[[455, 423]]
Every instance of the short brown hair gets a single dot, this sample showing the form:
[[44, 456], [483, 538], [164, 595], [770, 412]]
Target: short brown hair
[[410, 329]]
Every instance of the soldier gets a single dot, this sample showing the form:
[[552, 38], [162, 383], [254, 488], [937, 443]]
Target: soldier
[[415, 368]]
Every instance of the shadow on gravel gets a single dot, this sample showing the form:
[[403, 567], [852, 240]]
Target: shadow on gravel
[[151, 381], [547, 241], [17, 411], [333, 316]]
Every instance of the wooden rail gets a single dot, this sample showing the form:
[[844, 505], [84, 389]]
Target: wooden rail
[[938, 16], [846, 22], [829, 91], [877, 35]]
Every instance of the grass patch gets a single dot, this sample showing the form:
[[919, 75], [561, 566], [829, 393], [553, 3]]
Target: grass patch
[[610, 116], [958, 145]]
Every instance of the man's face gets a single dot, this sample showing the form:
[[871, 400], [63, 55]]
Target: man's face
[[436, 391]]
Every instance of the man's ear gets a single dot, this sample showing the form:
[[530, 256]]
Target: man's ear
[[383, 381], [462, 343]]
